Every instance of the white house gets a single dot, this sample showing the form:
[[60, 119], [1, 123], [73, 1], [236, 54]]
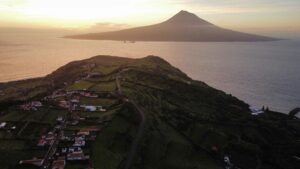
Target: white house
[[255, 111], [92, 108], [2, 125]]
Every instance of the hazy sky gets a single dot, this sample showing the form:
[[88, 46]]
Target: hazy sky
[[248, 15]]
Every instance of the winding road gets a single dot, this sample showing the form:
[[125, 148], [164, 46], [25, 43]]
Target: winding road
[[142, 119]]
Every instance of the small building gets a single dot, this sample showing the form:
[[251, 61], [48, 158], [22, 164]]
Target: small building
[[60, 163], [91, 108], [35, 162], [88, 94], [77, 156], [79, 143], [79, 138], [2, 125], [42, 143], [83, 133], [226, 160], [64, 150], [74, 101], [255, 111], [228, 164], [46, 140], [36, 104], [60, 119], [64, 104], [74, 150]]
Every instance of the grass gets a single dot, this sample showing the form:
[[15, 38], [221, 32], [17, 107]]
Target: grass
[[34, 130], [77, 165], [10, 158], [99, 115], [166, 148], [51, 116], [43, 115], [81, 85], [96, 101], [13, 115], [104, 87], [34, 115], [12, 144], [111, 146], [105, 69], [12, 151], [103, 158], [15, 86], [181, 119], [105, 78]]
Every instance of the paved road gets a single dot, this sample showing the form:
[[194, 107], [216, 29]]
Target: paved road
[[141, 115], [50, 153], [53, 147]]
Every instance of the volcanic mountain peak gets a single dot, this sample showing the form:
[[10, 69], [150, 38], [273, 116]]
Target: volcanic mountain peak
[[186, 18], [184, 26]]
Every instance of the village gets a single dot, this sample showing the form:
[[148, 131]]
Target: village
[[68, 142], [70, 138]]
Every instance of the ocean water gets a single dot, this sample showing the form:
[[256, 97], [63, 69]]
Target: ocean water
[[260, 73]]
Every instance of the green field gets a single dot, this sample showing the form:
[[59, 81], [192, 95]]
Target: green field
[[111, 147], [100, 115], [96, 101], [104, 87], [81, 85], [105, 69], [12, 144], [43, 115], [13, 115], [12, 151]]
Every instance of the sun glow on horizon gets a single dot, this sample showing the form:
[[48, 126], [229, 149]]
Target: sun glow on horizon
[[75, 13], [245, 14]]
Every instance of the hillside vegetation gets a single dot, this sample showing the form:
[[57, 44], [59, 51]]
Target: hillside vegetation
[[181, 123]]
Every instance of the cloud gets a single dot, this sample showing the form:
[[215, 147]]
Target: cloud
[[13, 3], [107, 26]]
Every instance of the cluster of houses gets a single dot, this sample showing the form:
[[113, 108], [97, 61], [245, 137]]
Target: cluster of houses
[[74, 103], [46, 140], [75, 106], [76, 154], [34, 105], [63, 93], [64, 151], [63, 146], [69, 147], [74, 151]]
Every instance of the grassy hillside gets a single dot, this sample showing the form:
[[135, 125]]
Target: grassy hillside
[[183, 123]]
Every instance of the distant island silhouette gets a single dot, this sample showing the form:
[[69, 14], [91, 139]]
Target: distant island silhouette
[[184, 26]]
